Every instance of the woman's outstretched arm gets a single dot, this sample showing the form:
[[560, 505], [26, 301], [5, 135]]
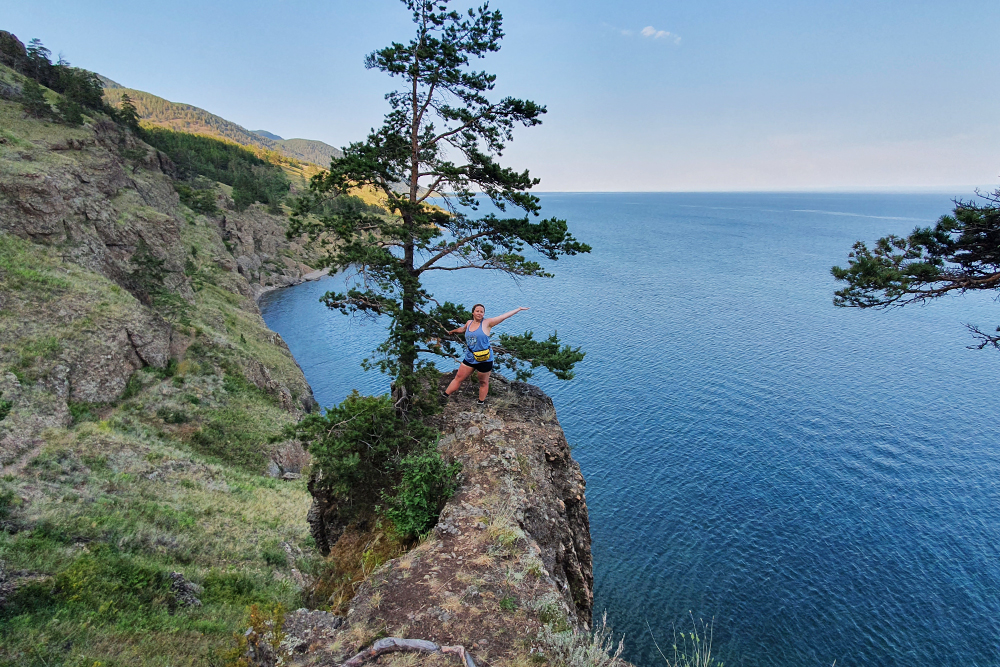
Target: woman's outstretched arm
[[459, 330], [493, 321]]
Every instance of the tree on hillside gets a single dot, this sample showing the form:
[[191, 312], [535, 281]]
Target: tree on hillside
[[39, 64], [127, 113], [81, 86], [71, 112], [440, 140], [960, 253], [33, 100]]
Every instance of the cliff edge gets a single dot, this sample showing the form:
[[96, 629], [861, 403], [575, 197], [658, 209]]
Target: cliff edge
[[510, 554]]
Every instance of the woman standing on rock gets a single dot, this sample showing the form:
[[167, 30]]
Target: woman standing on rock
[[478, 353]]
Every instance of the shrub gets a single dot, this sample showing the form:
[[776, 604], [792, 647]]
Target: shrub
[[198, 200], [427, 482], [33, 100], [370, 457], [71, 112], [5, 407], [171, 416], [581, 649], [9, 501], [132, 388], [82, 412]]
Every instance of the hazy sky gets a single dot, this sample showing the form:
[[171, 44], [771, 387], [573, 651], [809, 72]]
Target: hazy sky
[[642, 95]]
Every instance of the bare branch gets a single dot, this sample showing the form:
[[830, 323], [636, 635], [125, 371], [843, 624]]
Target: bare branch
[[431, 189], [455, 245], [985, 339]]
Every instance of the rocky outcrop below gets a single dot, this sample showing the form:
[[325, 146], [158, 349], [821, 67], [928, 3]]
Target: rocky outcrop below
[[510, 553]]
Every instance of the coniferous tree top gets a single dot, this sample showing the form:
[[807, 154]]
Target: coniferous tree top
[[435, 162]]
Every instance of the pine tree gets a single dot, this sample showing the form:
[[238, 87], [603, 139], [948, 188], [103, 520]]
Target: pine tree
[[39, 64], [33, 100], [128, 114], [436, 149], [71, 112], [960, 253]]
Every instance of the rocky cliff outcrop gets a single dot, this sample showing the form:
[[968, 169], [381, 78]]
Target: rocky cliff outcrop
[[510, 553], [105, 272]]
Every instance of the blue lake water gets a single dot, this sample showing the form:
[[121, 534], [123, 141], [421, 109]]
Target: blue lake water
[[824, 483]]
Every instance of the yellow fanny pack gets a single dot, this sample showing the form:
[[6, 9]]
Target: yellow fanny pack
[[482, 355]]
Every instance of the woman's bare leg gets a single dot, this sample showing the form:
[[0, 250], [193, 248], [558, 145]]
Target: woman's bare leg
[[463, 372], [484, 385]]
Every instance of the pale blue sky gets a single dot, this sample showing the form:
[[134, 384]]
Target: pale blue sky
[[768, 95]]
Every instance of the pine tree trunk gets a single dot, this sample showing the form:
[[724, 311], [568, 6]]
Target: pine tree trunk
[[403, 387]]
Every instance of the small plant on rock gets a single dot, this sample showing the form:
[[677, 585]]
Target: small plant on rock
[[572, 648], [374, 461]]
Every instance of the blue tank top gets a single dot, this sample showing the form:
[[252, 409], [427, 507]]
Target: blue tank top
[[477, 341]]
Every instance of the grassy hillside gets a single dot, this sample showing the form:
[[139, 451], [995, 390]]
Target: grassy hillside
[[300, 158], [310, 150], [116, 514], [159, 112]]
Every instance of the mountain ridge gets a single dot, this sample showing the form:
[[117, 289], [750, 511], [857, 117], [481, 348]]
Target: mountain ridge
[[161, 112]]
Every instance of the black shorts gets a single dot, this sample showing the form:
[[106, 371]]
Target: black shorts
[[482, 366]]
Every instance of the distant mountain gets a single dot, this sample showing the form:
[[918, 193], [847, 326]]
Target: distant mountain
[[187, 118], [269, 135], [311, 150]]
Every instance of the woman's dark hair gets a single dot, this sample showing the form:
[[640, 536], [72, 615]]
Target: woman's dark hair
[[479, 305]]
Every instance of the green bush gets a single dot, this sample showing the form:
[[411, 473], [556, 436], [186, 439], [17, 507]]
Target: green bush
[[83, 412], [132, 388], [5, 407], [370, 459], [427, 482], [171, 416], [71, 111], [198, 200], [9, 501]]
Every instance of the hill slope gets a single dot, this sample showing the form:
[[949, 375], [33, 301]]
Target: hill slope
[[187, 118], [140, 391]]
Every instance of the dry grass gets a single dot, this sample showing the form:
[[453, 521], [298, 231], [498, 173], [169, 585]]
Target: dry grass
[[452, 604], [352, 559], [483, 560], [502, 530]]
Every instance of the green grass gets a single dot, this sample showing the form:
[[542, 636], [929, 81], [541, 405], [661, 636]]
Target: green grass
[[21, 270], [107, 534], [167, 478]]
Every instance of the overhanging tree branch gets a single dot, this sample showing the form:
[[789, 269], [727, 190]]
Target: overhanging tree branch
[[960, 253]]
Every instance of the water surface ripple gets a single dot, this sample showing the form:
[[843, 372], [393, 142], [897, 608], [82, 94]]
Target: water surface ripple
[[822, 482]]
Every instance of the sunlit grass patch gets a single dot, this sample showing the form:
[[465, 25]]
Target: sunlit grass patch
[[111, 514]]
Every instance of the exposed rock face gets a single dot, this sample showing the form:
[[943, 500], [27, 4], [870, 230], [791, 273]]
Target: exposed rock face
[[12, 51], [264, 257], [96, 205], [512, 548]]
